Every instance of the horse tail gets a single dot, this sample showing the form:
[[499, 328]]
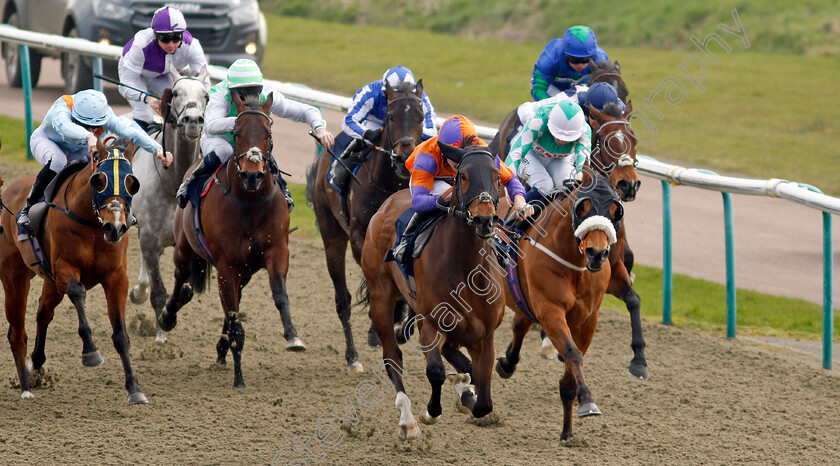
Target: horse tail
[[363, 294], [505, 129], [311, 173], [199, 274]]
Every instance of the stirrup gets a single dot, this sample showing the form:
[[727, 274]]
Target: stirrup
[[181, 196], [399, 251]]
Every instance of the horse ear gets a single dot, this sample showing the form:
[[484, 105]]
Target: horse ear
[[266, 106], [628, 111], [98, 181], [236, 100], [598, 116], [389, 91], [132, 184], [582, 207], [202, 74], [418, 90], [617, 67], [452, 153], [165, 103], [173, 73], [592, 64], [618, 212]]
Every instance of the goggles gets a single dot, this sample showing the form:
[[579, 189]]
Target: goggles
[[167, 37], [577, 60]]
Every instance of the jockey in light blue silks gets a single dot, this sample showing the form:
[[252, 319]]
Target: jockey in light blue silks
[[245, 78], [565, 59], [70, 131], [146, 58], [364, 122]]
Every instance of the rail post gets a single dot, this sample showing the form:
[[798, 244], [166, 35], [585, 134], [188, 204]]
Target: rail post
[[26, 77], [667, 276]]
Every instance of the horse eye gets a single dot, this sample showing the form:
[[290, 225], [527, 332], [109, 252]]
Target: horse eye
[[174, 93]]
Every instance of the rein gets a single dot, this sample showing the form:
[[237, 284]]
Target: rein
[[624, 160], [227, 190], [168, 119]]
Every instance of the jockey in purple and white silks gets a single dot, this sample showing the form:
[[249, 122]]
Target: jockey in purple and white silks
[[146, 58], [70, 131], [563, 60], [365, 118]]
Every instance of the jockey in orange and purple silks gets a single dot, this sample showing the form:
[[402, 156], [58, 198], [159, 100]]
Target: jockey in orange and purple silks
[[432, 176]]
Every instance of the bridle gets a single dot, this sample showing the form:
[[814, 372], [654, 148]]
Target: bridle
[[264, 156], [395, 158], [462, 208], [625, 159], [177, 115]]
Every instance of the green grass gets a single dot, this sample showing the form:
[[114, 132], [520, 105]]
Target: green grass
[[804, 27], [13, 137], [701, 304], [760, 115]]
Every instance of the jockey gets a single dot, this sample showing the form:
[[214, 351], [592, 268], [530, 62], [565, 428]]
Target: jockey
[[432, 176], [364, 122], [552, 149], [565, 59], [245, 78], [145, 62], [69, 132]]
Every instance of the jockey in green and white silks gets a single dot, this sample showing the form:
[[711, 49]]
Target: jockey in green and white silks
[[552, 148], [245, 78]]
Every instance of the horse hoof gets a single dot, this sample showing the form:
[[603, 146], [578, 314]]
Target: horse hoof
[[409, 432], [137, 399], [161, 336], [296, 345], [167, 323], [638, 371], [501, 371], [427, 418], [461, 407], [92, 359], [137, 297], [373, 340], [355, 368], [547, 350], [26, 395], [239, 384], [588, 409]]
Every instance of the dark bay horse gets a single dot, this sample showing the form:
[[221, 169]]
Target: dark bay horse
[[563, 274], [382, 174], [84, 247], [454, 259], [182, 107], [614, 155], [245, 223]]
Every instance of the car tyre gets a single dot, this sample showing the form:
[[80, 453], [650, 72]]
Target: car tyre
[[75, 71], [11, 57]]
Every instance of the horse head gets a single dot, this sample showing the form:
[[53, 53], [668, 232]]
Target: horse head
[[252, 140], [595, 216], [477, 187], [113, 186], [614, 154], [403, 126], [606, 72], [183, 105]]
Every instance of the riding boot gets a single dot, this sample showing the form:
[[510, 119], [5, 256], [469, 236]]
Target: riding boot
[[41, 181], [208, 165], [352, 158], [416, 220], [275, 171]]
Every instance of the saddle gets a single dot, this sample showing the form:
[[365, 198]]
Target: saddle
[[415, 244], [38, 212]]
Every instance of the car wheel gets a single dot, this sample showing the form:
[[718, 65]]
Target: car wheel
[[11, 56], [76, 73]]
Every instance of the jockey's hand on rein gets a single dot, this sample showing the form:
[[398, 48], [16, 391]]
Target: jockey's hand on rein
[[372, 135]]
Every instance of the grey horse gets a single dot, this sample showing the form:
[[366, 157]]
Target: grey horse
[[154, 205]]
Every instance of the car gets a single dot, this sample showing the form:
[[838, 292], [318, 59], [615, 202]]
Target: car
[[227, 29]]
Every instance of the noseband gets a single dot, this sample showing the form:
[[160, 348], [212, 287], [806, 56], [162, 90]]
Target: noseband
[[624, 160], [177, 120], [395, 158], [247, 152], [462, 209]]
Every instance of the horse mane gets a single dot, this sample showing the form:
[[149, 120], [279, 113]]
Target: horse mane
[[121, 142], [405, 88], [612, 109], [187, 72], [253, 102], [605, 66]]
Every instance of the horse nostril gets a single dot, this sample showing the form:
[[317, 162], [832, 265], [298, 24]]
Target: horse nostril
[[123, 229], [637, 184], [200, 120]]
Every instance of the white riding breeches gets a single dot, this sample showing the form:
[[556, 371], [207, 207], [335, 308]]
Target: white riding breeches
[[45, 150], [141, 110], [545, 173], [222, 148]]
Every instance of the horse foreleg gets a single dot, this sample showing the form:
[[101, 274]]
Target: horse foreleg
[[140, 292], [16, 289], [434, 372], [621, 287], [506, 365], [182, 293], [50, 298], [77, 294], [229, 294], [483, 356], [277, 270], [223, 345], [116, 289], [459, 361], [151, 249], [335, 248]]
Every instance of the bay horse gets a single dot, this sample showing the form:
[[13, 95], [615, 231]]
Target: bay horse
[[243, 227], [382, 174], [82, 247], [182, 107], [614, 156], [563, 272], [454, 259]]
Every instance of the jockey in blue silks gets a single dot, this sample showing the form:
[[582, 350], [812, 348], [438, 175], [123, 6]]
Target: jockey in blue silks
[[565, 59], [365, 119]]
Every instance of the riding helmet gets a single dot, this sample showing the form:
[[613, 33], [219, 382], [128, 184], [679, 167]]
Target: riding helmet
[[579, 41], [90, 107], [397, 75], [244, 73], [168, 19], [599, 95], [566, 121]]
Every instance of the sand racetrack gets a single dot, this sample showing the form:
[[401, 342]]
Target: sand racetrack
[[708, 400]]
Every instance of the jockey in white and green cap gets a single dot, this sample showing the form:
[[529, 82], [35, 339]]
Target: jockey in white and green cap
[[245, 78]]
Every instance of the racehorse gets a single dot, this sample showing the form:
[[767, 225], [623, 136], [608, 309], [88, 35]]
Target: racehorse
[[614, 155], [453, 260], [382, 174], [243, 226], [82, 247], [562, 270], [182, 107], [602, 71]]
